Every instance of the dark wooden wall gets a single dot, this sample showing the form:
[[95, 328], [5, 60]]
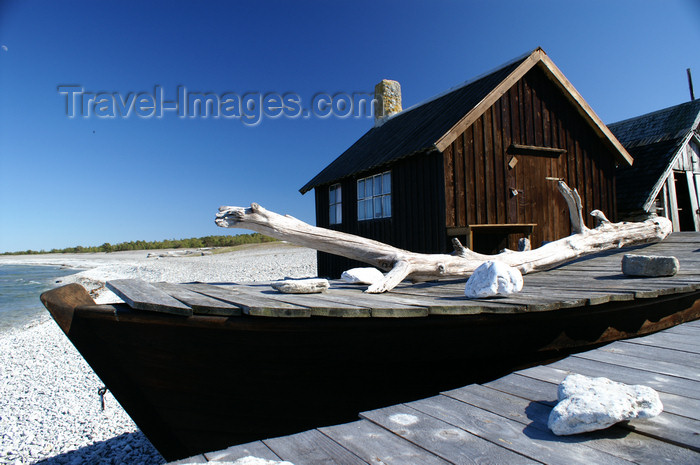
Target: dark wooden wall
[[418, 211], [533, 112]]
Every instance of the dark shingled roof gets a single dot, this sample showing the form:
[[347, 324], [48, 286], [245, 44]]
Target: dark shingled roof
[[653, 141], [414, 130]]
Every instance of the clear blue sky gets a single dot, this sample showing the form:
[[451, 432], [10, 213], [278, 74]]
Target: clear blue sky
[[84, 181]]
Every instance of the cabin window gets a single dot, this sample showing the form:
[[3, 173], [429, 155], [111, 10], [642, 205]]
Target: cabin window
[[374, 197], [335, 197]]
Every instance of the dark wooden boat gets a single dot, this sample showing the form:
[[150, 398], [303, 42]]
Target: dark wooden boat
[[275, 364]]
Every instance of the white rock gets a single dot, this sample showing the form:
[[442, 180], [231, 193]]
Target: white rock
[[650, 266], [590, 404], [493, 278], [301, 286], [251, 460], [362, 276]]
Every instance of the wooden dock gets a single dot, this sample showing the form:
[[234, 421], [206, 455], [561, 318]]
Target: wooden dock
[[505, 421]]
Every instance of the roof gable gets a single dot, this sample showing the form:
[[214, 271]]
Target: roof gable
[[654, 140], [434, 124]]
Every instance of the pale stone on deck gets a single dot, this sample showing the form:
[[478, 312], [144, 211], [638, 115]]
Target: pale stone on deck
[[301, 286], [493, 278], [362, 276], [590, 404], [650, 266], [250, 460]]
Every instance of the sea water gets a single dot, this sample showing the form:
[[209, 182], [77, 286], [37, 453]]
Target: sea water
[[20, 287]]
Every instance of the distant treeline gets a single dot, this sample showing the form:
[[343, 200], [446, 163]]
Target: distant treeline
[[192, 243]]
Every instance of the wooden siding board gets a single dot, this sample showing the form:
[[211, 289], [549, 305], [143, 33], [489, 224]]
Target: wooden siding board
[[511, 201], [469, 169], [460, 182], [499, 163], [516, 137], [530, 116], [489, 172], [450, 185]]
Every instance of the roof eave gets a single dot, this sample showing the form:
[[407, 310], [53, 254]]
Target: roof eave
[[662, 180], [538, 57]]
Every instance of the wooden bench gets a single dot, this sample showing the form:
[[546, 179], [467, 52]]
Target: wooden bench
[[503, 228]]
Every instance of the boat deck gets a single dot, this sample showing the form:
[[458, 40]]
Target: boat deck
[[505, 421], [589, 281]]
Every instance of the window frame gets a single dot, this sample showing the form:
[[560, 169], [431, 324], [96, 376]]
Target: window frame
[[335, 204], [369, 202]]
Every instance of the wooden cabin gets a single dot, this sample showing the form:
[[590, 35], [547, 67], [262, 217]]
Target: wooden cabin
[[665, 178], [479, 162]]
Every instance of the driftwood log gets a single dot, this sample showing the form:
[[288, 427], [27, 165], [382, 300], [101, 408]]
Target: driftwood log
[[402, 264]]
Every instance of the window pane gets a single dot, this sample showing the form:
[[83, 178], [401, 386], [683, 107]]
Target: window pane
[[338, 215], [360, 209], [331, 214], [338, 192], [361, 189], [377, 207], [386, 206], [369, 211], [368, 187], [331, 196], [377, 180], [386, 181]]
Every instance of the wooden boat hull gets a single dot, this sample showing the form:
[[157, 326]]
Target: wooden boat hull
[[200, 383]]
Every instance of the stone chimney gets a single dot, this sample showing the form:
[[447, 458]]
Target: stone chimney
[[387, 100]]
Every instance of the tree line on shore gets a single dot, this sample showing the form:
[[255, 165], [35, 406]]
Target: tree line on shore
[[191, 243]]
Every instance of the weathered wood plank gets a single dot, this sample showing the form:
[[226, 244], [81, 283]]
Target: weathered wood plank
[[323, 304], [233, 453], [313, 448], [452, 444], [658, 366], [672, 426], [199, 303], [539, 445], [377, 445], [250, 304], [379, 305], [668, 342], [615, 440], [662, 383], [142, 296], [194, 459], [526, 382], [648, 352]]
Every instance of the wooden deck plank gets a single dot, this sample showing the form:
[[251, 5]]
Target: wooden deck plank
[[649, 352], [142, 296], [685, 330], [452, 444], [536, 444], [378, 445], [233, 453], [199, 303], [321, 304], [314, 448], [249, 303], [663, 383], [667, 343], [379, 305], [673, 403], [200, 458], [616, 440], [665, 368], [669, 427]]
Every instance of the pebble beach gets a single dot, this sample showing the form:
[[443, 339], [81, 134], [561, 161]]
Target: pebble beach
[[50, 409]]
